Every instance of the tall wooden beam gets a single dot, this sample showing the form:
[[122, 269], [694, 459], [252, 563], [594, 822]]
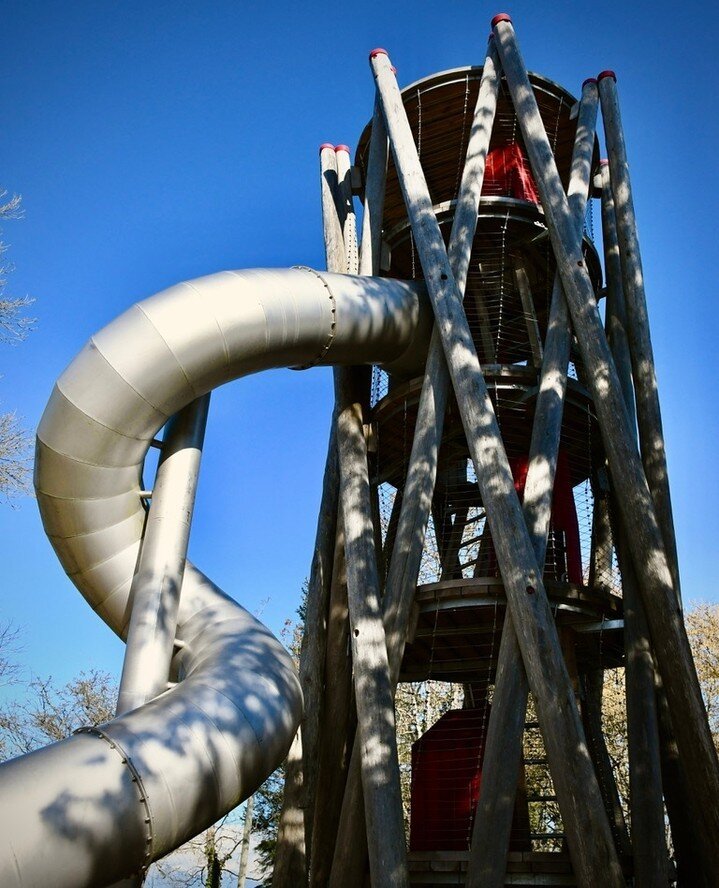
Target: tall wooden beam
[[373, 693], [294, 834], [600, 566], [503, 750], [592, 683], [338, 726], [371, 245], [645, 777], [422, 468], [635, 502], [648, 409], [530, 315], [591, 843], [301, 769], [600, 557], [335, 253], [696, 866], [347, 859], [346, 211]]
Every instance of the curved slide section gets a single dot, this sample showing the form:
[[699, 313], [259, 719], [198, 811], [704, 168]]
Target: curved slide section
[[101, 805]]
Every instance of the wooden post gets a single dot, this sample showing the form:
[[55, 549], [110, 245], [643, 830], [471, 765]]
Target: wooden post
[[245, 847], [294, 831], [592, 848], [373, 693], [503, 750], [347, 214], [649, 416], [592, 689], [635, 502], [301, 770], [530, 317], [600, 559], [335, 256], [502, 762], [695, 864], [294, 835], [348, 826], [371, 245], [337, 729], [391, 535], [421, 474], [645, 778]]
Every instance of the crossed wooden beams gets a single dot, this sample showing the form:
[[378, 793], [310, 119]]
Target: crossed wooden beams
[[362, 816]]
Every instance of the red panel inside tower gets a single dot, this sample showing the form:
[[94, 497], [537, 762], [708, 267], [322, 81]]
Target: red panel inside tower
[[564, 510], [446, 779], [507, 174], [566, 562]]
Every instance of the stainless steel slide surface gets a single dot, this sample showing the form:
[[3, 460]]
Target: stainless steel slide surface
[[103, 804]]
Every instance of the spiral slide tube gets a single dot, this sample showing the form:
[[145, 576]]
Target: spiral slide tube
[[101, 805]]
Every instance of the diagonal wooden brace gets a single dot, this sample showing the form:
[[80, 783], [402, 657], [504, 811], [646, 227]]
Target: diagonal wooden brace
[[591, 843], [503, 751], [645, 780], [417, 497], [649, 414], [635, 502]]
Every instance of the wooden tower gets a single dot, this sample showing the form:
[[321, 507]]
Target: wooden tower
[[501, 523]]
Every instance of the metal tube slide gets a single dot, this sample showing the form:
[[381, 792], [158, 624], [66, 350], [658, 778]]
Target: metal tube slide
[[103, 804]]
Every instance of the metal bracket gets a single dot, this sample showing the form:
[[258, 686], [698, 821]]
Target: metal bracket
[[137, 780], [333, 323]]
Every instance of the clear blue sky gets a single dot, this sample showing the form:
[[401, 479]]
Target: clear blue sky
[[158, 141]]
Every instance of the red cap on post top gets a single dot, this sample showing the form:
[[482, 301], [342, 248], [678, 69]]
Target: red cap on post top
[[502, 17], [607, 73], [603, 162], [378, 51], [326, 145], [343, 148], [589, 80]]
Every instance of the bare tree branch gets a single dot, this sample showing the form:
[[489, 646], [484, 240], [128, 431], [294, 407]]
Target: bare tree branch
[[15, 457]]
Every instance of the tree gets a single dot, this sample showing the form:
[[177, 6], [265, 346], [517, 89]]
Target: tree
[[702, 624], [207, 861], [49, 713], [15, 442]]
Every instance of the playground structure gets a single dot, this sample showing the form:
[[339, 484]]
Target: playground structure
[[495, 514]]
